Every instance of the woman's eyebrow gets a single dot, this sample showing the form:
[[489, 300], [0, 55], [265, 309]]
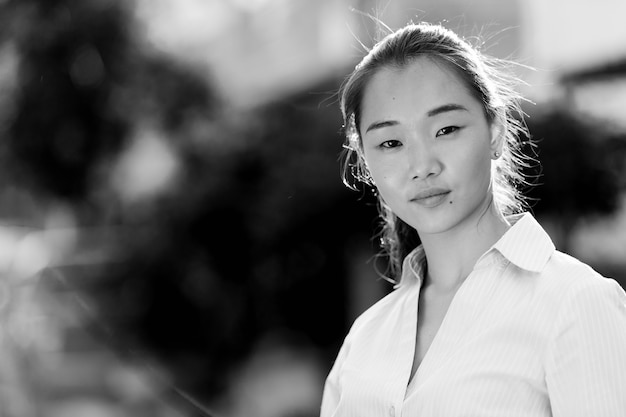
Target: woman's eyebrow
[[381, 124], [446, 108]]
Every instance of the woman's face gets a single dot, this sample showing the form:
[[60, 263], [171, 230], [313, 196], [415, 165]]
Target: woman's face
[[428, 146]]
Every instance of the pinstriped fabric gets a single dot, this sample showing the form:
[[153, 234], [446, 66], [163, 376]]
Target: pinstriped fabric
[[531, 332]]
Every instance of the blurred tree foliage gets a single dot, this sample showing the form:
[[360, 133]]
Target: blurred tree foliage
[[71, 57], [581, 168], [246, 243], [83, 83]]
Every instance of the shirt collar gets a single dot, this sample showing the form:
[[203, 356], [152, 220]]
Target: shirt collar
[[525, 245], [413, 266]]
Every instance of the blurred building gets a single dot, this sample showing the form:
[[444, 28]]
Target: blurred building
[[564, 37]]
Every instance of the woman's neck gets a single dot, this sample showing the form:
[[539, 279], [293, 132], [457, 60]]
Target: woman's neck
[[451, 255]]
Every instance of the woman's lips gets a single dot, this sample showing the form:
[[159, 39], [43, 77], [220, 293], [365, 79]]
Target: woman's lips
[[431, 197]]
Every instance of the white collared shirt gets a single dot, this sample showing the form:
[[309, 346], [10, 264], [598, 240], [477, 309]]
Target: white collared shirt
[[531, 332]]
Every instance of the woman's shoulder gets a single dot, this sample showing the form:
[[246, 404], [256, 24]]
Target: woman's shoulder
[[571, 270], [569, 277]]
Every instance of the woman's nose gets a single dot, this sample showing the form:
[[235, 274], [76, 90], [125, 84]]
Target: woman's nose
[[423, 161]]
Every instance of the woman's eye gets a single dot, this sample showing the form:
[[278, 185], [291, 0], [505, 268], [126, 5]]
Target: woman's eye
[[447, 130], [388, 144]]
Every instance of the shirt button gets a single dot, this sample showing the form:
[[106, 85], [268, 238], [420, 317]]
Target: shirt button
[[392, 411]]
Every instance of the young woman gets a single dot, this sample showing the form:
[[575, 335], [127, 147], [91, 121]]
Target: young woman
[[487, 318]]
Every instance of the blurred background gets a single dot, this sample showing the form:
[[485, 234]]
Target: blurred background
[[175, 239]]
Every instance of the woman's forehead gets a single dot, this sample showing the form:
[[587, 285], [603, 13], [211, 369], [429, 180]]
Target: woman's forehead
[[418, 86]]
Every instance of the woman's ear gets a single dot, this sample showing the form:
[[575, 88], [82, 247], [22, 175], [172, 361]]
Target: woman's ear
[[497, 138]]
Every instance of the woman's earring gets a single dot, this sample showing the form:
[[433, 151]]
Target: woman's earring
[[496, 155]]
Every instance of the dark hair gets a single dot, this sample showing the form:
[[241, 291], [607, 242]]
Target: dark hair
[[485, 78]]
